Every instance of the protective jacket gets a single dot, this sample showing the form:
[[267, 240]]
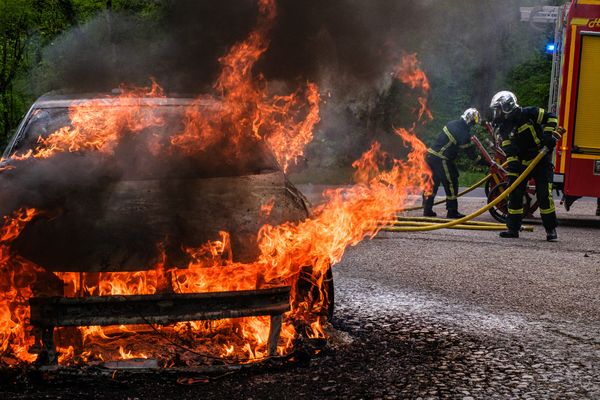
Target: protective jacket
[[455, 136], [523, 135]]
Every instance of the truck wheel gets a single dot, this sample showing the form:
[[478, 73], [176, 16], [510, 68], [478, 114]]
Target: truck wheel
[[488, 186], [500, 211]]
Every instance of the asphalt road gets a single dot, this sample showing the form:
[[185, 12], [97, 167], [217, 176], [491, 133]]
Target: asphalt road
[[531, 307]]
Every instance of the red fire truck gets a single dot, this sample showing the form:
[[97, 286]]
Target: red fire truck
[[575, 96]]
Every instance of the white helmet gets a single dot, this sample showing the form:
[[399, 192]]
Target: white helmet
[[471, 116], [503, 102]]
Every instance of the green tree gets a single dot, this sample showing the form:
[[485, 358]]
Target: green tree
[[25, 27], [530, 80], [15, 26]]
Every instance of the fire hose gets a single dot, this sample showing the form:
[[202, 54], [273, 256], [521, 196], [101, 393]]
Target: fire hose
[[469, 225], [460, 222], [432, 219]]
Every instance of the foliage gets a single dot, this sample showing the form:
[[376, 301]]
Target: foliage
[[25, 27], [469, 178], [530, 81]]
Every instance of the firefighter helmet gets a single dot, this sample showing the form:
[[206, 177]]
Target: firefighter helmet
[[503, 102], [471, 116]]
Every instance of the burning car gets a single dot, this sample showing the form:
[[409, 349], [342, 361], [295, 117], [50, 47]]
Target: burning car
[[139, 214], [147, 207], [140, 225]]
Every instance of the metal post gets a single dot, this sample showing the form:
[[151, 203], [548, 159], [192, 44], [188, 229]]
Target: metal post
[[48, 345], [274, 332]]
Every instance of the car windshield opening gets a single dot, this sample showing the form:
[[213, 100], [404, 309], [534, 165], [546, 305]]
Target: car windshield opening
[[145, 150]]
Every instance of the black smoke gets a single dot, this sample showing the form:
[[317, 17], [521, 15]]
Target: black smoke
[[311, 40], [348, 47]]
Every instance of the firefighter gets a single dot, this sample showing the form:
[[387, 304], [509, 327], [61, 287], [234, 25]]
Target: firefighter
[[524, 132], [455, 136]]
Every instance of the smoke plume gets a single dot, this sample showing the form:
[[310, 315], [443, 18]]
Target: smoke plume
[[348, 48]]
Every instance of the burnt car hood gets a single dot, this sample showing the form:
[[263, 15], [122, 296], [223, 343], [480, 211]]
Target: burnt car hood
[[118, 211], [136, 222]]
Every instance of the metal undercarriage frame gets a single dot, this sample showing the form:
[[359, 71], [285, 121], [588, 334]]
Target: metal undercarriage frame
[[48, 313]]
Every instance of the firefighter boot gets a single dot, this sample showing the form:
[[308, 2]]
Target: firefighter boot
[[454, 214], [551, 235], [428, 206], [509, 234], [428, 212]]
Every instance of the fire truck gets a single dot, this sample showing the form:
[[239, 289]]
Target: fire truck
[[575, 98]]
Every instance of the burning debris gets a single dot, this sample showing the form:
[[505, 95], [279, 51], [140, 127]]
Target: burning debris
[[221, 138]]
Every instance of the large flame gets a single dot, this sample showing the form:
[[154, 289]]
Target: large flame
[[245, 105], [244, 110], [17, 277]]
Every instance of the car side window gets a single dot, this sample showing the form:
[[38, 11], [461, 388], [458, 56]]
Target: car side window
[[42, 122]]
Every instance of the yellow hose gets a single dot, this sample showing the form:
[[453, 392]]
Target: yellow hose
[[457, 227], [442, 220], [487, 207], [398, 227]]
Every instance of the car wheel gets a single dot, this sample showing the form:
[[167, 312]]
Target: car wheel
[[320, 297]]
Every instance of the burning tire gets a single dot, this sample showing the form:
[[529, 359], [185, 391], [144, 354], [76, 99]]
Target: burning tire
[[314, 297]]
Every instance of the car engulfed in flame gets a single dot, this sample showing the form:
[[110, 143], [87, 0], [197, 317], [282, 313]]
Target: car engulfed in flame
[[135, 194], [145, 219], [138, 193]]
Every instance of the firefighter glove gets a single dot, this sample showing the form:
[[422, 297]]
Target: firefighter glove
[[549, 141]]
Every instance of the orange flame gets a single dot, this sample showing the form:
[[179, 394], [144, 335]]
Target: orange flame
[[409, 72], [347, 217], [244, 104], [16, 279], [97, 128], [129, 355]]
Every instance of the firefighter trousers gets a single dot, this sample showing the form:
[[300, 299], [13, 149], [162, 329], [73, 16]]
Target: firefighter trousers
[[543, 175], [446, 173]]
